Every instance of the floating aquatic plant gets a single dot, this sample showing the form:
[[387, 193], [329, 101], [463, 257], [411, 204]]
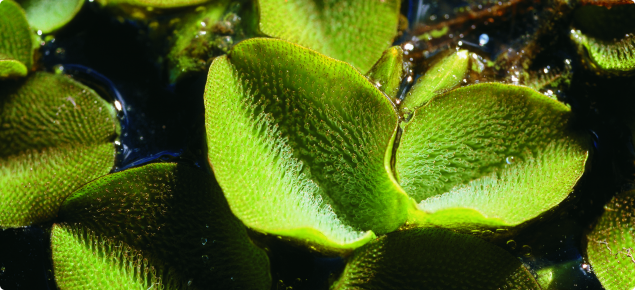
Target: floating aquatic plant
[[165, 226], [312, 145], [318, 133], [57, 135]]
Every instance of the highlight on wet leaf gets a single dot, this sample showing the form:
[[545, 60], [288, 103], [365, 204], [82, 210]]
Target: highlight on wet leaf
[[50, 15], [446, 74], [353, 31], [55, 136], [16, 46], [152, 3], [607, 36], [300, 144], [388, 72], [611, 241], [159, 226], [489, 155], [436, 258]]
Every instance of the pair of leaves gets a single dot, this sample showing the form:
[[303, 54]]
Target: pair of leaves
[[159, 226], [55, 136], [302, 146]]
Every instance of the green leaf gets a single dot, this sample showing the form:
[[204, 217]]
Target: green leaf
[[433, 259], [607, 36], [387, 73], [490, 155], [300, 144], [443, 76], [610, 244], [16, 47], [354, 31], [50, 15], [153, 3], [174, 225], [55, 135]]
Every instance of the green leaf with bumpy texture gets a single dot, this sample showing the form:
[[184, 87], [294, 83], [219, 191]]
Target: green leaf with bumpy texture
[[173, 222], [387, 73], [489, 154], [610, 244], [300, 144], [16, 47], [55, 136], [153, 3], [443, 76], [354, 31], [433, 259], [607, 35], [50, 15]]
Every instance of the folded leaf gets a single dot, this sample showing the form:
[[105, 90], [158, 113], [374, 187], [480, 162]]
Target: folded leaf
[[433, 259], [354, 31], [55, 136], [50, 15], [153, 3], [607, 35], [16, 47], [443, 76], [162, 224], [489, 154], [610, 244], [387, 73], [300, 144]]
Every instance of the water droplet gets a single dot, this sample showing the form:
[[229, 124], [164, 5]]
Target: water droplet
[[510, 159], [483, 39], [511, 244], [203, 241], [526, 250], [189, 282]]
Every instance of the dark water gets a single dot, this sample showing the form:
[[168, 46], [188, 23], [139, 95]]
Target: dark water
[[163, 121]]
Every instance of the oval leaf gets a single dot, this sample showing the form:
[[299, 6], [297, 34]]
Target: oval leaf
[[16, 47], [354, 31], [490, 154], [387, 73], [153, 3], [298, 142], [161, 223], [433, 259], [610, 244], [443, 76], [55, 136], [50, 15]]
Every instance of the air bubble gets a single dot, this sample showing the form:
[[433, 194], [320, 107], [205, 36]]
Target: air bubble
[[510, 159], [526, 250], [511, 244], [189, 282], [203, 241]]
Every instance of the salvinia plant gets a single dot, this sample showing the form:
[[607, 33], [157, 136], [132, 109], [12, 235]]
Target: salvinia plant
[[316, 133]]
